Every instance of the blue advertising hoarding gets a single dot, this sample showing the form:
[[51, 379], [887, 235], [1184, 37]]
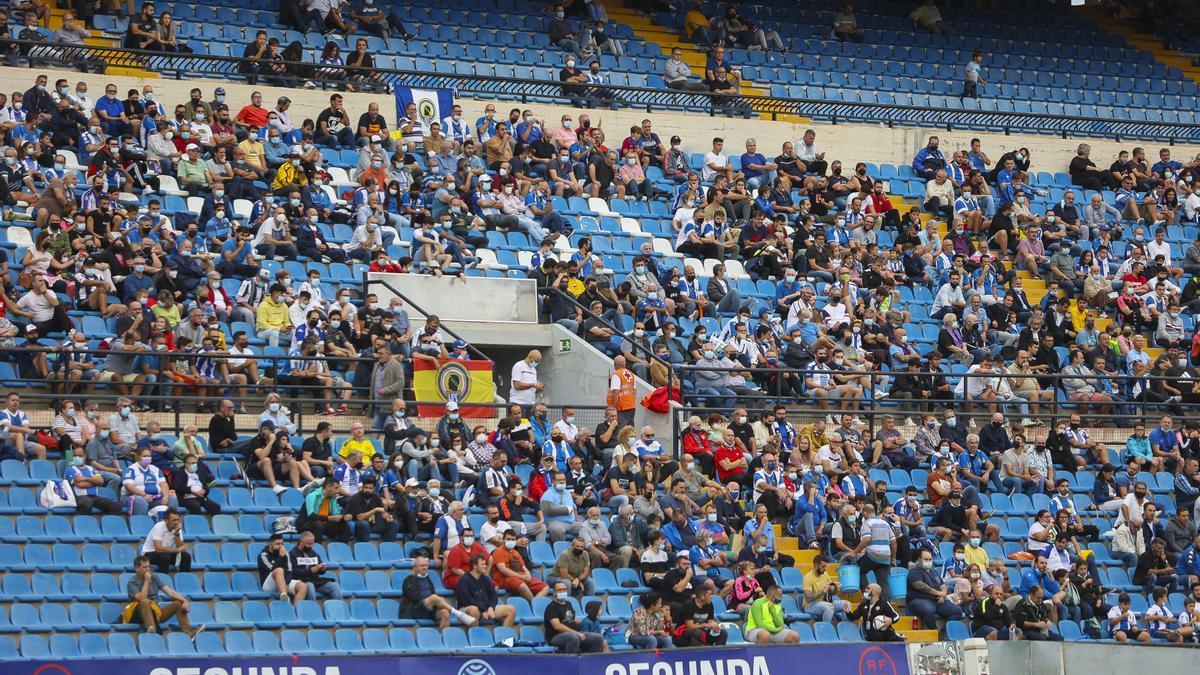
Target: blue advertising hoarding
[[834, 659]]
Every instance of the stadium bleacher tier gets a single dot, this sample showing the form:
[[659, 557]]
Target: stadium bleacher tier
[[70, 585], [1071, 67]]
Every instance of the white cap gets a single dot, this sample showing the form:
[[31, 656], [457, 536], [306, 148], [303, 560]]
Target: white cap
[[192, 146]]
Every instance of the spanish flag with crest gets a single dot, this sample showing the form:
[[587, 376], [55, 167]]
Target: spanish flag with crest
[[464, 382]]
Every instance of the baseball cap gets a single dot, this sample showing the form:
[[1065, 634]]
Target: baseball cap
[[681, 554], [192, 146], [458, 344], [452, 406], [31, 328], [267, 424], [375, 138], [219, 90], [676, 139], [264, 273], [412, 482], [295, 150]]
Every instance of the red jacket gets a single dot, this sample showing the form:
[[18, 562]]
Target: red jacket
[[696, 442]]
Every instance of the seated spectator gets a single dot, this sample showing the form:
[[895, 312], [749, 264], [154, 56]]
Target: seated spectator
[[144, 589], [275, 572], [927, 596], [476, 595], [307, 567], [321, 513], [563, 630]]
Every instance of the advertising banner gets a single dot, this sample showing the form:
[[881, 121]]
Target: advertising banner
[[833, 659]]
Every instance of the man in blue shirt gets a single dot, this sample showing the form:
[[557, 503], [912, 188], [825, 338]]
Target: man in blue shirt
[[1005, 192], [1165, 443], [1039, 575], [111, 111], [787, 291], [755, 168], [1165, 167], [137, 281], [929, 160]]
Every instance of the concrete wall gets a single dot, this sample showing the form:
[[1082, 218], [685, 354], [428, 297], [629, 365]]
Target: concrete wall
[[847, 142], [1086, 658], [466, 299]]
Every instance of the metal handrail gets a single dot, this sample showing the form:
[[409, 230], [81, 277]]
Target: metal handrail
[[368, 281], [87, 57], [647, 353]]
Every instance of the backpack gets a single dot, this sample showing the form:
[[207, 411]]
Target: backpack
[[284, 525]]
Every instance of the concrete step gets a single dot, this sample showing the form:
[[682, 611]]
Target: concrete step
[[918, 635]]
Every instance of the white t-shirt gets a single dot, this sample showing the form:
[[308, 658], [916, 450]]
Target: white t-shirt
[[160, 533], [712, 158], [239, 355], [37, 305], [523, 372], [1033, 544], [489, 532]]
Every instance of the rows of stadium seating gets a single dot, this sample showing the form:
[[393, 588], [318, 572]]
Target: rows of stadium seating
[[1033, 61], [895, 65], [617, 228]]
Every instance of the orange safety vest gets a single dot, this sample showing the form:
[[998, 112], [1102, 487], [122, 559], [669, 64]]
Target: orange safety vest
[[623, 398]]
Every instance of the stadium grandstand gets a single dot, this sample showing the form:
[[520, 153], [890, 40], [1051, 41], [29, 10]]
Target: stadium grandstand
[[858, 335]]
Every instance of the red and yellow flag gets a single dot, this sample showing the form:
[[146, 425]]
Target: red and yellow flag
[[464, 382]]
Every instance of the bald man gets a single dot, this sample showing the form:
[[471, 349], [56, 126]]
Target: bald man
[[622, 392], [525, 385]]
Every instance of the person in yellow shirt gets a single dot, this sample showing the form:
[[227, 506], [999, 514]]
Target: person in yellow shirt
[[254, 149], [289, 176], [271, 317], [358, 442], [1080, 313], [697, 28], [821, 593], [973, 551]]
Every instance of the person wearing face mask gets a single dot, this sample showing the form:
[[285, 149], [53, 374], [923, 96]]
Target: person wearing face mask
[[191, 486], [927, 596], [458, 558], [559, 508], [85, 481], [144, 488]]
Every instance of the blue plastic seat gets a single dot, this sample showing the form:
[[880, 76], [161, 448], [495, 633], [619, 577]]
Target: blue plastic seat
[[825, 632]]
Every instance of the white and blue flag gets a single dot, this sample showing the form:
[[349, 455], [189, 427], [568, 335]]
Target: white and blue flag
[[432, 104]]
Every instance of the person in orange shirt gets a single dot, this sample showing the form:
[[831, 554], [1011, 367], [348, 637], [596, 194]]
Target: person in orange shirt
[[253, 115], [509, 571], [622, 393]]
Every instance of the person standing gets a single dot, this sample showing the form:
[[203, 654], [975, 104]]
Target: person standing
[[525, 385], [973, 75], [622, 392], [164, 546]]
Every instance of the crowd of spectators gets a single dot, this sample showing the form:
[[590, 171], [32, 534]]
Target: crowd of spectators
[[836, 332]]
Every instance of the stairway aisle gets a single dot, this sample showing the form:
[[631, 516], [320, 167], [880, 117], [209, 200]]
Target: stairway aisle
[[1141, 40], [668, 39]]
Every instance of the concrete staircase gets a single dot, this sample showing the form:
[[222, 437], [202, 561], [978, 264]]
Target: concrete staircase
[[908, 626], [1141, 40], [668, 39], [100, 39]]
